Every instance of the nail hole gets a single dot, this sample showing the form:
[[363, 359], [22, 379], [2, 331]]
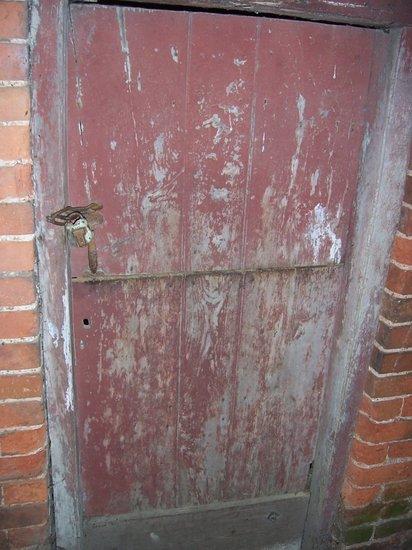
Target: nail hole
[[86, 322]]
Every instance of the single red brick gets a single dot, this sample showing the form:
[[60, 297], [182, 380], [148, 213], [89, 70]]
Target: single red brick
[[381, 410], [397, 490], [14, 142], [17, 386], [393, 337], [19, 356], [405, 225], [17, 291], [23, 515], [402, 250], [16, 256], [13, 20], [376, 475], [21, 413], [23, 537], [34, 490], [13, 61], [373, 432], [18, 324], [391, 362], [22, 442], [399, 279], [357, 497], [400, 449], [407, 407], [14, 103], [389, 386], [18, 467], [396, 309], [16, 181], [16, 219], [368, 454]]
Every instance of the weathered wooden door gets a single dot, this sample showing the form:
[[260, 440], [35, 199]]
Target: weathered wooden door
[[225, 150]]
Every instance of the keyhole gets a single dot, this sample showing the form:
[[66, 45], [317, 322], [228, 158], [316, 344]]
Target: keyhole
[[86, 323]]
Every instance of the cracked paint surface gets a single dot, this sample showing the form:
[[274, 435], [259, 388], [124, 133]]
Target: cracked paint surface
[[215, 143]]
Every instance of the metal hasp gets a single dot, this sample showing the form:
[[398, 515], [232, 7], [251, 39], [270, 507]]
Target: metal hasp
[[80, 222]]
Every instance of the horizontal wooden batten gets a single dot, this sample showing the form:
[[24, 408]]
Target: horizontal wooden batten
[[377, 14], [187, 274], [242, 525]]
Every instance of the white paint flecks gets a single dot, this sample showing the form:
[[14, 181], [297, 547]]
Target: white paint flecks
[[113, 145], [299, 133], [124, 44], [314, 181], [79, 92], [321, 232], [87, 429], [231, 170], [219, 193], [211, 156], [239, 62], [53, 331], [139, 82], [34, 21], [175, 54], [334, 72], [222, 239], [234, 86], [159, 171], [67, 346], [221, 128]]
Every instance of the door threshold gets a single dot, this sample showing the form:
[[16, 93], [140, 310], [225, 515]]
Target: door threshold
[[261, 523]]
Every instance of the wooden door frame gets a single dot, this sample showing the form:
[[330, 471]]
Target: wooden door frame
[[379, 197]]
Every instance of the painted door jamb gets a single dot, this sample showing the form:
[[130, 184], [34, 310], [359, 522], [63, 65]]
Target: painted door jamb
[[379, 200]]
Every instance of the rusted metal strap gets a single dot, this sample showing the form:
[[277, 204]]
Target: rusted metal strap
[[100, 278]]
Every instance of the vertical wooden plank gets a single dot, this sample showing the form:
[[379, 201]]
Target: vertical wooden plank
[[380, 191], [48, 124], [205, 397], [221, 79], [310, 90], [127, 346], [126, 112], [284, 349]]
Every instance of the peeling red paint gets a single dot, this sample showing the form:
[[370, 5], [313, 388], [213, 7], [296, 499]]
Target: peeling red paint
[[214, 143]]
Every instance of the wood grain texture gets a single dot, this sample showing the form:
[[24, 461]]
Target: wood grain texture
[[217, 143], [285, 340], [127, 374], [206, 387], [126, 122], [310, 94], [382, 178], [48, 44], [193, 392]]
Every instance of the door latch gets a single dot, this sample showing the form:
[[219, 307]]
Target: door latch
[[80, 222]]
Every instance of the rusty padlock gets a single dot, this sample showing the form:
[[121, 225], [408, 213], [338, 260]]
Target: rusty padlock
[[80, 222]]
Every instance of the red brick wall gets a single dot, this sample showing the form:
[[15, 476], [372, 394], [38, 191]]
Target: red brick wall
[[378, 487], [23, 452]]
